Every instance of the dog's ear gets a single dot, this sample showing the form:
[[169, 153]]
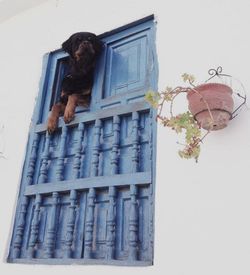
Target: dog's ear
[[67, 46]]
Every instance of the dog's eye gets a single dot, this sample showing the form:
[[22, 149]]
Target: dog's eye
[[89, 38], [78, 40]]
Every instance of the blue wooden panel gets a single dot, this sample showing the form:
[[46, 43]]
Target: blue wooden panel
[[126, 65], [87, 191]]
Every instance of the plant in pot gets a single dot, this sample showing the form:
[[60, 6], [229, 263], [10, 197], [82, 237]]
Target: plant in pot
[[210, 108]]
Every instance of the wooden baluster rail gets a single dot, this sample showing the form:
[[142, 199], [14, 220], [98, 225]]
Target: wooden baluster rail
[[92, 193], [34, 227], [18, 239], [96, 149], [61, 155], [77, 157], [134, 209], [71, 224], [115, 146], [112, 191], [89, 224], [51, 232], [43, 176], [32, 160], [68, 253], [151, 189]]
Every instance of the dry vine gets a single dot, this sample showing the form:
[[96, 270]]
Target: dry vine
[[181, 122]]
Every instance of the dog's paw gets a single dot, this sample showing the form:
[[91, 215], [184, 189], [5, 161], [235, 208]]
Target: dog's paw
[[69, 115], [52, 125], [69, 112]]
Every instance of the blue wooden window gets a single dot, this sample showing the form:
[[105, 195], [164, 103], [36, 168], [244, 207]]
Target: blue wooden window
[[87, 191]]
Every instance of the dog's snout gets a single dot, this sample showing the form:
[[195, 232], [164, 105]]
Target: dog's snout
[[84, 43]]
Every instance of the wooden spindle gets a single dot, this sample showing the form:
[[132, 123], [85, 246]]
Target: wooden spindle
[[151, 187], [77, 157], [51, 232], [32, 160], [151, 132], [73, 194], [71, 224], [134, 208], [34, 227], [89, 224], [135, 142], [92, 193], [61, 156], [151, 223], [133, 223], [96, 149], [18, 239], [115, 145], [43, 176], [110, 240]]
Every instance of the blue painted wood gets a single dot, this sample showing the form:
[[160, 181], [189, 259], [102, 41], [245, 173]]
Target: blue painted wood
[[87, 191], [34, 227], [51, 232], [133, 224], [133, 217], [73, 195], [71, 224], [45, 158], [140, 178], [126, 67], [96, 149], [77, 157], [115, 146], [135, 142], [110, 239], [89, 224], [18, 239], [32, 161], [111, 216], [60, 161], [101, 114]]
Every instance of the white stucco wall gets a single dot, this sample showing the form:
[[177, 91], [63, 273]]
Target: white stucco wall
[[202, 210]]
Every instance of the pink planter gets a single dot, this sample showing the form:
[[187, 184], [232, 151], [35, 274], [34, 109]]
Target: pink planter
[[219, 99]]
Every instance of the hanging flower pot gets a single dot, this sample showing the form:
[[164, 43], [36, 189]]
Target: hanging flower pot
[[211, 104], [210, 107]]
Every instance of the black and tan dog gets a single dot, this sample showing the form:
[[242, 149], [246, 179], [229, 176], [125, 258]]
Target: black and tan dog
[[83, 49]]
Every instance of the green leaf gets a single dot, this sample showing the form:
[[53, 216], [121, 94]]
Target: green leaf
[[188, 78], [168, 90], [181, 123], [185, 77], [153, 98]]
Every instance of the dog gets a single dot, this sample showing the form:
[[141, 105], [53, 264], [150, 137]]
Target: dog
[[84, 49]]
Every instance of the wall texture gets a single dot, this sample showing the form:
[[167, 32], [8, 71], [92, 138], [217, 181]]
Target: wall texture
[[202, 210]]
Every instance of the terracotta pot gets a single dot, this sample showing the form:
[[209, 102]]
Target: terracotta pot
[[219, 99]]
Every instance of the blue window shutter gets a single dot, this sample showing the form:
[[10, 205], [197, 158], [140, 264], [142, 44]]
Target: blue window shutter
[[87, 191]]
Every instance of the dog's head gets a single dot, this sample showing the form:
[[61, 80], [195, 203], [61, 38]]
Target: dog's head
[[82, 45]]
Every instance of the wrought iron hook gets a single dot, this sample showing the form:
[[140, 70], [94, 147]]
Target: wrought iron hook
[[216, 72], [238, 108]]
